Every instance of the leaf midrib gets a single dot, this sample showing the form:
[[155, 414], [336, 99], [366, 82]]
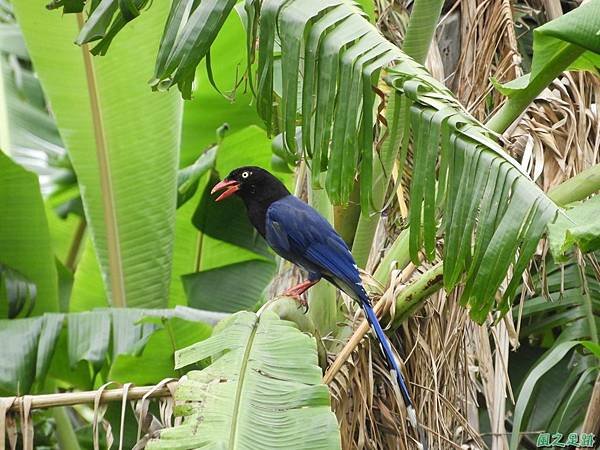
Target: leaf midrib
[[108, 204], [240, 386]]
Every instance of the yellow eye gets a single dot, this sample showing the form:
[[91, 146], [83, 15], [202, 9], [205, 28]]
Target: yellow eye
[[245, 174]]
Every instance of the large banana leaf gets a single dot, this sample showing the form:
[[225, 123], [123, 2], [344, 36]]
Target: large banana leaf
[[115, 338], [262, 390], [122, 140], [24, 237]]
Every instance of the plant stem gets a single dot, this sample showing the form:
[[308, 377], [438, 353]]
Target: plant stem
[[71, 260], [518, 103], [414, 295], [398, 255], [577, 188], [421, 26], [65, 434]]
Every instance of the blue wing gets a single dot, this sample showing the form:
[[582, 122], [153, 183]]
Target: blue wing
[[301, 235]]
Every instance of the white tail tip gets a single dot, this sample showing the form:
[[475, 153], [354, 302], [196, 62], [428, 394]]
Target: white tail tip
[[412, 416]]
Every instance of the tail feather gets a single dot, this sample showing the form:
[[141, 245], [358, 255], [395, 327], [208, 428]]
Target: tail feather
[[393, 365], [386, 348]]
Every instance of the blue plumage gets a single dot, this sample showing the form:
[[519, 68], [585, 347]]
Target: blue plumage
[[301, 235]]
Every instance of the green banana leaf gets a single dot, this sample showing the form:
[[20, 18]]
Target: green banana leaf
[[25, 245], [262, 390], [123, 141], [75, 347]]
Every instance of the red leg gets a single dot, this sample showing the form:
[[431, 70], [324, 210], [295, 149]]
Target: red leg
[[300, 289]]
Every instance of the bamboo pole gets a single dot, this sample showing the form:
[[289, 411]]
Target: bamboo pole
[[75, 398]]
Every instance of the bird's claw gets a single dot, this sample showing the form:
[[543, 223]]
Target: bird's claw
[[297, 298], [302, 303]]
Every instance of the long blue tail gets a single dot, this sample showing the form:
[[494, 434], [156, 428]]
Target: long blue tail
[[386, 348], [392, 363]]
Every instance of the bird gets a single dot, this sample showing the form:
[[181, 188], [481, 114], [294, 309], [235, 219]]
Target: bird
[[299, 234]]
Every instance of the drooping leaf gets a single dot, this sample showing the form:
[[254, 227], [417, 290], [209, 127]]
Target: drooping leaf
[[24, 237], [190, 31], [28, 347], [77, 342], [208, 109], [262, 390], [125, 162], [492, 211]]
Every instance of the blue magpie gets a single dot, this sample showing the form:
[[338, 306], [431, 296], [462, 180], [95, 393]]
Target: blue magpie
[[298, 233]]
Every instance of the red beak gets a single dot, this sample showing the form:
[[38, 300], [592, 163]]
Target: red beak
[[231, 188]]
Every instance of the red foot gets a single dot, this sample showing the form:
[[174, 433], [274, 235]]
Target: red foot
[[300, 289], [296, 291]]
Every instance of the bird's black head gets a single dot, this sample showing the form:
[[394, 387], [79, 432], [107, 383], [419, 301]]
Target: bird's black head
[[253, 184]]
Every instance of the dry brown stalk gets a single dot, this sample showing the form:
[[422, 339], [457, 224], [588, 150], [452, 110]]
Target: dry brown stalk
[[76, 398]]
